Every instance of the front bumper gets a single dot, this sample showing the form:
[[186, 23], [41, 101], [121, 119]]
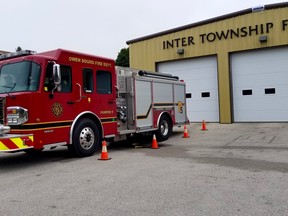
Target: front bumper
[[16, 142]]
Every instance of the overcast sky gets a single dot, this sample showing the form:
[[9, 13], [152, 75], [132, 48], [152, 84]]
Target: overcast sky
[[101, 27]]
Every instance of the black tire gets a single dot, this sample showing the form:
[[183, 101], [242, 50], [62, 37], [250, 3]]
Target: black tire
[[86, 139], [165, 129]]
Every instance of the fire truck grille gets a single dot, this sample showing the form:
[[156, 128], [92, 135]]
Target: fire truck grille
[[2, 108]]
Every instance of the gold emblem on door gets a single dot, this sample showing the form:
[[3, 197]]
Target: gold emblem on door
[[57, 109], [180, 106]]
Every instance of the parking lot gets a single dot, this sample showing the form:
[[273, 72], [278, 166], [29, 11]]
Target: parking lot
[[229, 169]]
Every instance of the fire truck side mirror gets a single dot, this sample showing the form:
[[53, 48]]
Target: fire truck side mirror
[[56, 74]]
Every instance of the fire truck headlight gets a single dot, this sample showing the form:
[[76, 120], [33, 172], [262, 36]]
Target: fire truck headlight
[[16, 115]]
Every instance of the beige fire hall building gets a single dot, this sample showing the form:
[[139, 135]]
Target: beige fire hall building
[[235, 66]]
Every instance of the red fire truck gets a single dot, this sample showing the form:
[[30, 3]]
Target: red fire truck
[[61, 97]]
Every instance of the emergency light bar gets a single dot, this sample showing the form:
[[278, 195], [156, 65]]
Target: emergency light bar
[[17, 54]]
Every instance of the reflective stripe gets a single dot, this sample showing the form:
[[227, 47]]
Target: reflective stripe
[[9, 144], [16, 143], [3, 147]]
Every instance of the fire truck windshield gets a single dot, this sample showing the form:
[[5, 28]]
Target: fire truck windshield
[[19, 77]]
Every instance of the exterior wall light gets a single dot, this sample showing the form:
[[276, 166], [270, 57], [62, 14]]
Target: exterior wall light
[[180, 51], [258, 8], [263, 39]]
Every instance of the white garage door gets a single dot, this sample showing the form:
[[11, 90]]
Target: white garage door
[[260, 85], [200, 75]]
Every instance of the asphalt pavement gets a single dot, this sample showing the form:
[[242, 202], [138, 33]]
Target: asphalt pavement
[[229, 169]]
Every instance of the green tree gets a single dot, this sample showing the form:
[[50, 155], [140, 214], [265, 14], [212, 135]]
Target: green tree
[[123, 58]]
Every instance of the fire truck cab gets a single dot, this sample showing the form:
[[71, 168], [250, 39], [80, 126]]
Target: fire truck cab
[[62, 97]]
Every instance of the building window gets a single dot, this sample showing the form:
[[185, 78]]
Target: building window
[[270, 91], [247, 92], [88, 80], [103, 82], [205, 94]]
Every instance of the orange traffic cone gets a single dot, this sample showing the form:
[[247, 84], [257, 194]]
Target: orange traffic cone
[[104, 154], [186, 135], [154, 143], [203, 126]]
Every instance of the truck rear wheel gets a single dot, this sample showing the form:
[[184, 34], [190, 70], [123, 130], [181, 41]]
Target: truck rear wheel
[[165, 129], [86, 139]]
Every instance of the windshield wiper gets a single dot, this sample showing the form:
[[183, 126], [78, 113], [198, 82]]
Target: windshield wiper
[[10, 87]]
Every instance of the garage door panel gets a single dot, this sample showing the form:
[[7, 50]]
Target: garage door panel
[[260, 85], [200, 76], [266, 80]]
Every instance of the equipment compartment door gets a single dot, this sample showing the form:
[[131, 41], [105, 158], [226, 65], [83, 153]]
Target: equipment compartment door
[[180, 103], [143, 99]]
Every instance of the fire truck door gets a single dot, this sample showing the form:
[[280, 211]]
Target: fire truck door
[[58, 111], [106, 100]]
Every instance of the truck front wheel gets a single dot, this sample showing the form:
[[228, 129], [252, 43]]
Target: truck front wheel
[[165, 129], [86, 139]]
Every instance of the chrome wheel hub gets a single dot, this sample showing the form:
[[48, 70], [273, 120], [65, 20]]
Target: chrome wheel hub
[[164, 128], [87, 138]]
